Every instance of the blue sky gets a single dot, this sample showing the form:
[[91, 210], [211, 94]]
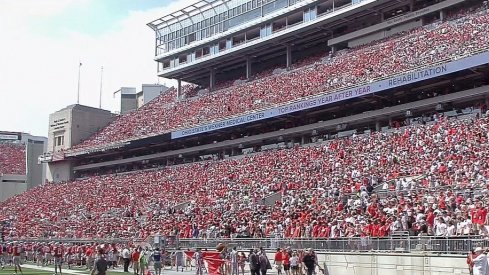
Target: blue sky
[[43, 42], [93, 17]]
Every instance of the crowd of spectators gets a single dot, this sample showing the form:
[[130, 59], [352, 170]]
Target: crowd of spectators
[[12, 158], [423, 179], [461, 35]]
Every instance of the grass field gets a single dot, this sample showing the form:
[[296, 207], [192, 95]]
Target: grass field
[[26, 271]]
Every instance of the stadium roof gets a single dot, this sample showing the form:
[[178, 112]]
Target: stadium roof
[[187, 12]]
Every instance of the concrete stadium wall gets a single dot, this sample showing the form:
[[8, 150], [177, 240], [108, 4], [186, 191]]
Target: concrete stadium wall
[[385, 33], [11, 185], [369, 263], [36, 172], [393, 264], [59, 171]]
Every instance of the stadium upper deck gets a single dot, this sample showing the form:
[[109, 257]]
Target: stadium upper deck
[[212, 40]]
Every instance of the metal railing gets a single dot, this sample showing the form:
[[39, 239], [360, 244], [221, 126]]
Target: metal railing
[[397, 244], [408, 244]]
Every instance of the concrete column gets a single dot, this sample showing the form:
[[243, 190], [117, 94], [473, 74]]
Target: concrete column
[[212, 79], [442, 15], [382, 16], [248, 67], [288, 50], [411, 5], [303, 140], [333, 49], [377, 126], [179, 88]]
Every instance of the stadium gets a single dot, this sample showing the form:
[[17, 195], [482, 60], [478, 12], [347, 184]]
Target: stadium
[[356, 129]]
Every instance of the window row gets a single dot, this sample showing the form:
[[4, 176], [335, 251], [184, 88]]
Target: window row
[[209, 22]]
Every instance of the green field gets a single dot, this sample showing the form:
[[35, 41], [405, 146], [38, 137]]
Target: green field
[[26, 271]]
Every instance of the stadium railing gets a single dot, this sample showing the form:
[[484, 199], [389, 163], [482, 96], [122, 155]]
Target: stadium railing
[[393, 244], [406, 244]]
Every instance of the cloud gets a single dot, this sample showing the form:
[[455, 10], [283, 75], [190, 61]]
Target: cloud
[[38, 72]]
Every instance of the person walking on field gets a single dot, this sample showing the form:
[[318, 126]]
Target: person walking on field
[[264, 262], [156, 256], [16, 257], [254, 262], [135, 260], [58, 259], [278, 261], [100, 265], [309, 262], [479, 260], [199, 262], [126, 257]]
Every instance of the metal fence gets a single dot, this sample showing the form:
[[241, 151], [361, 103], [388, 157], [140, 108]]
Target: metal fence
[[399, 244], [442, 245]]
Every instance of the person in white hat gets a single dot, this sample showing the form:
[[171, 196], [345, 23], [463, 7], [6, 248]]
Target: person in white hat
[[480, 261]]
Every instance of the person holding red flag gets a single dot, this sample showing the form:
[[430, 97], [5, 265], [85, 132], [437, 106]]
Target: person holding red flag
[[199, 262]]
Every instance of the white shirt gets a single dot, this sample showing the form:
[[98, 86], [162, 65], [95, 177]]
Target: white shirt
[[294, 261], [480, 264], [126, 254], [441, 229], [451, 231]]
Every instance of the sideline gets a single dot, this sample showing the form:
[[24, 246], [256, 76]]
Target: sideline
[[86, 272], [65, 270]]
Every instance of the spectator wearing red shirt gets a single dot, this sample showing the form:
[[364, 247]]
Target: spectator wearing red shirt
[[286, 261], [135, 259], [278, 260]]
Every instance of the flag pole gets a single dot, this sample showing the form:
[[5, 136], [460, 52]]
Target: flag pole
[[101, 81], [78, 94]]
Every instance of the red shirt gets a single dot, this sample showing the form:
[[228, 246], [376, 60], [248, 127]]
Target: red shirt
[[285, 258], [384, 231], [135, 256], [278, 256], [481, 216], [58, 252], [16, 251]]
